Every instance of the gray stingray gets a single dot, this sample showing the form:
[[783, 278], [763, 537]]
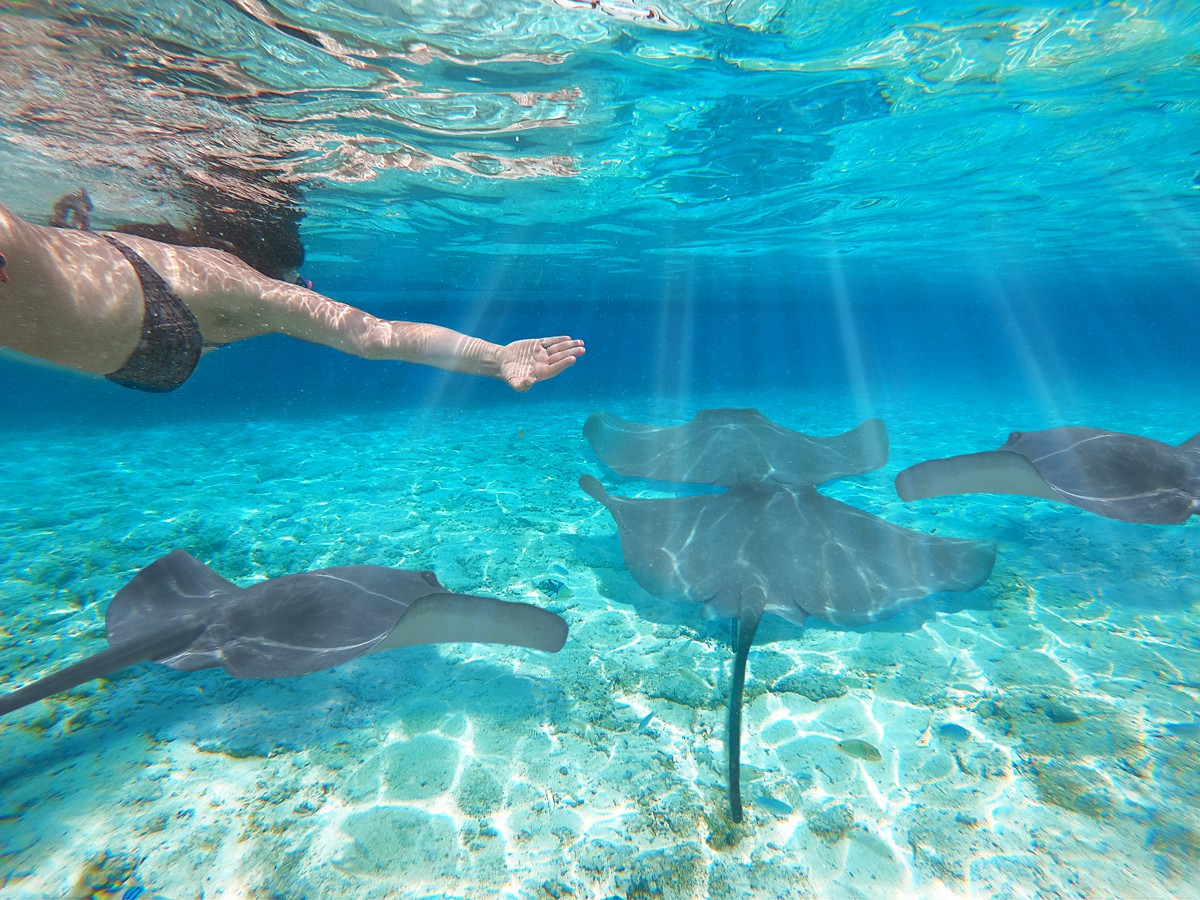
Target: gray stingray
[[730, 446], [179, 612], [763, 546], [1121, 476]]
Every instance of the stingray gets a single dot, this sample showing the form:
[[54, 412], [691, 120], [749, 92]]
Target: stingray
[[179, 612], [728, 446], [762, 546], [1121, 476]]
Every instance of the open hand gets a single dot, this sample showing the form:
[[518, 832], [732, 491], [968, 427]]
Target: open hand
[[524, 363]]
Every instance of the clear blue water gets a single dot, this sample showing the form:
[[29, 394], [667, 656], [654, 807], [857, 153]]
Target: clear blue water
[[966, 220]]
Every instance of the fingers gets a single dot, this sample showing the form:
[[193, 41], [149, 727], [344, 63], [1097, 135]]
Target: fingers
[[555, 367], [561, 347]]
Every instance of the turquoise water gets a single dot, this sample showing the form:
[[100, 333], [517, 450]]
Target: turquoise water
[[965, 220]]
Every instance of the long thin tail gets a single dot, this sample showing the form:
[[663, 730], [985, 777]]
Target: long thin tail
[[153, 646], [743, 638]]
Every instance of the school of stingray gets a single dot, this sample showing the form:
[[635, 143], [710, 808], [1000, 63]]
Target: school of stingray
[[767, 541]]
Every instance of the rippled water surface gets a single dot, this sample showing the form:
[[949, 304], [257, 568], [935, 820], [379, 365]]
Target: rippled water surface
[[648, 136]]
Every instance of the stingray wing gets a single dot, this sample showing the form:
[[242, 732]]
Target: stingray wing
[[729, 446], [665, 542], [173, 588], [850, 567], [445, 618], [992, 472]]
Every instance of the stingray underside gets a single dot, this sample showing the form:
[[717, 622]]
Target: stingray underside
[[786, 548], [766, 547]]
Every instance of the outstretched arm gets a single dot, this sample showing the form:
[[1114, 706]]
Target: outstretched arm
[[74, 300], [304, 314]]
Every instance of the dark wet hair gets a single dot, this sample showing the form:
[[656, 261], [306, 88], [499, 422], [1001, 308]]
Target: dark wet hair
[[263, 233]]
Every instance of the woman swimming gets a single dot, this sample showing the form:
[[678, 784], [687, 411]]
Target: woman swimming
[[141, 312]]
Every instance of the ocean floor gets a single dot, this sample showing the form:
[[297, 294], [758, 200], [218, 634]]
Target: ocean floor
[[1036, 737]]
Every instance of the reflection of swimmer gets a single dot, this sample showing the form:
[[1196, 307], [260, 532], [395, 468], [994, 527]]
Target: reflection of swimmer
[[140, 312], [72, 211]]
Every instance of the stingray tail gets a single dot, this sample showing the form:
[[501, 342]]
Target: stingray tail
[[743, 637], [102, 663]]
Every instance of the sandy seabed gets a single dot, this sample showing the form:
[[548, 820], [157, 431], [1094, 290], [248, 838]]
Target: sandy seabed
[[1035, 737]]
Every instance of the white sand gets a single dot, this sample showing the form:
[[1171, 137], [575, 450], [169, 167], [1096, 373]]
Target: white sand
[[1022, 729]]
